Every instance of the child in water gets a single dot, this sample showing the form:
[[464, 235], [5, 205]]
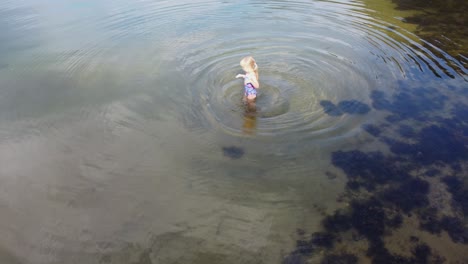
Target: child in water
[[251, 83]]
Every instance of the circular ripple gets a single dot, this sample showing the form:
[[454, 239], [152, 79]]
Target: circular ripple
[[315, 57], [310, 54], [294, 82]]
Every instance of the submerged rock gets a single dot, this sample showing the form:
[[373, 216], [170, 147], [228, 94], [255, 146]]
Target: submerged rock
[[233, 152]]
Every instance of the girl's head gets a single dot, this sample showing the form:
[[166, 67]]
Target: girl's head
[[248, 64]]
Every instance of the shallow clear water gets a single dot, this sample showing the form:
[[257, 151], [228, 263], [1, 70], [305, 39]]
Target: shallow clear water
[[117, 117]]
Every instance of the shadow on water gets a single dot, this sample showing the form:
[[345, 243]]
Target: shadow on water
[[442, 23]]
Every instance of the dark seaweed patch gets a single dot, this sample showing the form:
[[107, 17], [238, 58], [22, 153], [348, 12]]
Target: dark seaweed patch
[[353, 185], [233, 152], [456, 167], [330, 108], [346, 106], [453, 183], [406, 131], [395, 221], [443, 24], [459, 193], [379, 101], [428, 220], [397, 191], [368, 218], [343, 258], [415, 103], [422, 253], [317, 240], [371, 129], [322, 239], [455, 228], [432, 172], [368, 168], [338, 222], [304, 247], [394, 118], [381, 255], [293, 259], [409, 195], [460, 112], [435, 143], [388, 183], [353, 107]]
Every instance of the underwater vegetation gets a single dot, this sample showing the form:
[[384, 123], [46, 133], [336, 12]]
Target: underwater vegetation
[[233, 152], [385, 189], [347, 106], [415, 104], [406, 131], [353, 107], [434, 143], [330, 108], [409, 195], [372, 129], [343, 258], [459, 192], [368, 169]]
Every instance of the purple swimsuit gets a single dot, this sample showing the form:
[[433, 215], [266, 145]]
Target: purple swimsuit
[[249, 89]]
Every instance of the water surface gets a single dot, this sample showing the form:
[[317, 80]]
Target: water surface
[[123, 137]]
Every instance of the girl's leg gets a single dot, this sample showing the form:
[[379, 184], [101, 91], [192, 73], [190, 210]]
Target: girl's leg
[[251, 97]]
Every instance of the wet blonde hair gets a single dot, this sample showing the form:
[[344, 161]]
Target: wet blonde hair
[[249, 63]]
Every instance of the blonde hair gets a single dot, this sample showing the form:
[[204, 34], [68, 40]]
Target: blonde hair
[[249, 63]]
